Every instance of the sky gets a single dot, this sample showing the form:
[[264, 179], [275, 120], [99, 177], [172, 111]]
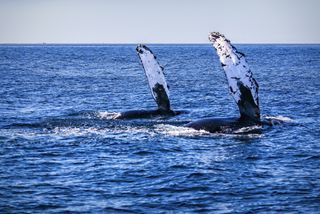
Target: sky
[[158, 21]]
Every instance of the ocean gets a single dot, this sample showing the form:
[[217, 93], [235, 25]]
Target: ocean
[[62, 151]]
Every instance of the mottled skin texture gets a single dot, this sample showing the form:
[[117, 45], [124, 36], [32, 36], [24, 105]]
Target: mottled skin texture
[[242, 86], [158, 91]]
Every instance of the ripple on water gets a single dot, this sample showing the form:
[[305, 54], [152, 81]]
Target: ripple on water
[[62, 151]]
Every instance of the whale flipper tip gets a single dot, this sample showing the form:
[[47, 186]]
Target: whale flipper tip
[[214, 36]]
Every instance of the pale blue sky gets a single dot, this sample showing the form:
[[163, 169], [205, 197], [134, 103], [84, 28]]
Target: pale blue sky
[[159, 21]]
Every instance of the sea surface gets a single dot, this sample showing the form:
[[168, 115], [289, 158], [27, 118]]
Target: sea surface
[[62, 151]]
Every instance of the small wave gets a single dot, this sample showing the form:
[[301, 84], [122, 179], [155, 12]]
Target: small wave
[[143, 153], [28, 110], [119, 132], [196, 175], [75, 131]]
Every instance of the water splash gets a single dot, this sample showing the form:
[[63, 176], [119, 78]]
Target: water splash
[[107, 115], [179, 130], [279, 118], [248, 130]]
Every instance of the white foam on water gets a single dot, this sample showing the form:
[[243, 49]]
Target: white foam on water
[[108, 115], [190, 132], [28, 110], [76, 131], [280, 118], [179, 130], [248, 129], [120, 132]]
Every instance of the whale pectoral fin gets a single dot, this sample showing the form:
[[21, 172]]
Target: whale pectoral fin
[[247, 106], [155, 76], [161, 97], [242, 86]]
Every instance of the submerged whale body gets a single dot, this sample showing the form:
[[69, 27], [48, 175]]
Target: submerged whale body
[[222, 125], [145, 114], [158, 86], [242, 86]]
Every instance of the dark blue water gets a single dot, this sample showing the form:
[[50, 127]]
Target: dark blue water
[[61, 151]]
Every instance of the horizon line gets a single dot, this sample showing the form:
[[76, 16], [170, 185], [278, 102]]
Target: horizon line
[[154, 43]]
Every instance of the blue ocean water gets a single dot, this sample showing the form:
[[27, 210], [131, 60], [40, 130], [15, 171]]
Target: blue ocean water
[[60, 149]]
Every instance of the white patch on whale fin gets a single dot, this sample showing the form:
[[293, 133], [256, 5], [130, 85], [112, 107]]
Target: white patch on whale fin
[[154, 72], [242, 86]]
